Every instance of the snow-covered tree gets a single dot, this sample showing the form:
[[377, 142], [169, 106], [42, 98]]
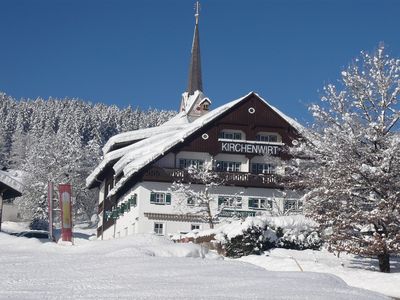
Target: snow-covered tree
[[60, 140], [349, 162], [196, 197]]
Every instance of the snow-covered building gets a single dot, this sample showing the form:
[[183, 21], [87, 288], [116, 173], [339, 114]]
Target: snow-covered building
[[240, 141], [10, 187]]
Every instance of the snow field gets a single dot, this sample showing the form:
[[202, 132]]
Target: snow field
[[149, 267]]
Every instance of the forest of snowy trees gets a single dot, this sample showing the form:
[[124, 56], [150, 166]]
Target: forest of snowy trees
[[60, 140]]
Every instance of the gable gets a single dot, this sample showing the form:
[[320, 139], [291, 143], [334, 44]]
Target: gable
[[250, 116]]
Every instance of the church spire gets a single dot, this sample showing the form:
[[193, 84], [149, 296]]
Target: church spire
[[194, 103], [195, 80]]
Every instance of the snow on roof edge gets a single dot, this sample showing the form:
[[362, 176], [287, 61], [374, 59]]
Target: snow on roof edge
[[11, 181], [134, 135], [131, 169], [296, 125]]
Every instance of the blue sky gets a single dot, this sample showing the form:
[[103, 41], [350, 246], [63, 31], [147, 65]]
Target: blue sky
[[126, 52]]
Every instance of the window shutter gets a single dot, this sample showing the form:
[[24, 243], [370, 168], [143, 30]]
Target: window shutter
[[152, 197], [221, 201], [134, 200], [251, 202], [168, 199]]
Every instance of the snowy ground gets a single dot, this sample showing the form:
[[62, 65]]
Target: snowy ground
[[150, 267], [355, 271]]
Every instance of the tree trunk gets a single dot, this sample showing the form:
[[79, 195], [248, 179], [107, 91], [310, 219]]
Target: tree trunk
[[384, 262]]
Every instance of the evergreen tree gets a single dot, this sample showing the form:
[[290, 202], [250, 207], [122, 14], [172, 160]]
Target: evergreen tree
[[60, 141]]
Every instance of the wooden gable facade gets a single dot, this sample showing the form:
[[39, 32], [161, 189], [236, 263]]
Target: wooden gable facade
[[251, 115]]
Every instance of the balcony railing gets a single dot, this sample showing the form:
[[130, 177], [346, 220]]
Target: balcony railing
[[228, 178]]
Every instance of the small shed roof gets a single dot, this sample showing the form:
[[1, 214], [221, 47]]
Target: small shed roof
[[10, 186]]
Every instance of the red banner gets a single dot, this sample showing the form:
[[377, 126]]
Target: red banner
[[50, 204], [65, 191]]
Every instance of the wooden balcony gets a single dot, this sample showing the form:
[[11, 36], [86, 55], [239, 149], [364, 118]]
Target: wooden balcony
[[227, 178]]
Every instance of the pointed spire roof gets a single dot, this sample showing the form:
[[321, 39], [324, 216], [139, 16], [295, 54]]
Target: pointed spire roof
[[195, 80]]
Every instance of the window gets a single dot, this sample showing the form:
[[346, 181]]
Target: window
[[265, 137], [292, 205], [227, 166], [132, 201], [230, 201], [230, 135], [185, 163], [159, 228], [190, 201], [257, 168], [260, 203], [160, 198], [194, 227]]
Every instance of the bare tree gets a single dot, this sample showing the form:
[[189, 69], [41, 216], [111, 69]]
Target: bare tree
[[200, 201]]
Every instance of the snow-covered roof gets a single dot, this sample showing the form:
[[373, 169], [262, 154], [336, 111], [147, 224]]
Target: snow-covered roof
[[150, 149], [12, 185], [189, 102], [133, 158], [140, 134]]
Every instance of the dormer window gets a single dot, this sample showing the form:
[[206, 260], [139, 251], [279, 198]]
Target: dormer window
[[206, 106], [230, 135]]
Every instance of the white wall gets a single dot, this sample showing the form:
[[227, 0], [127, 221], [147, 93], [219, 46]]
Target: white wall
[[134, 221]]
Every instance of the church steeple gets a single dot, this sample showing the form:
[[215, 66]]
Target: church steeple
[[195, 80], [194, 103]]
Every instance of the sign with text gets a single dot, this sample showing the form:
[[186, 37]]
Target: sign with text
[[229, 213], [238, 147], [65, 191]]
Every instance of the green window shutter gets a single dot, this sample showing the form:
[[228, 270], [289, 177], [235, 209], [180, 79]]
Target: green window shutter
[[152, 197], [134, 200], [168, 199], [251, 202], [221, 201]]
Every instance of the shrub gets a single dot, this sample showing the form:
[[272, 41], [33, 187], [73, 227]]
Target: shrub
[[254, 240], [39, 224], [298, 240]]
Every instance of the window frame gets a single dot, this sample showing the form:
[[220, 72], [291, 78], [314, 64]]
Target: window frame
[[162, 227], [165, 198], [267, 168], [230, 134], [195, 225], [297, 207], [259, 203], [227, 166], [227, 201], [269, 137], [185, 163]]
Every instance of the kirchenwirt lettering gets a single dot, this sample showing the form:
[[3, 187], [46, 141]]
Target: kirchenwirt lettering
[[250, 148]]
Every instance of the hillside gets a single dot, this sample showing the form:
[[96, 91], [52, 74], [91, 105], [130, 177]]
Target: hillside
[[60, 140]]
